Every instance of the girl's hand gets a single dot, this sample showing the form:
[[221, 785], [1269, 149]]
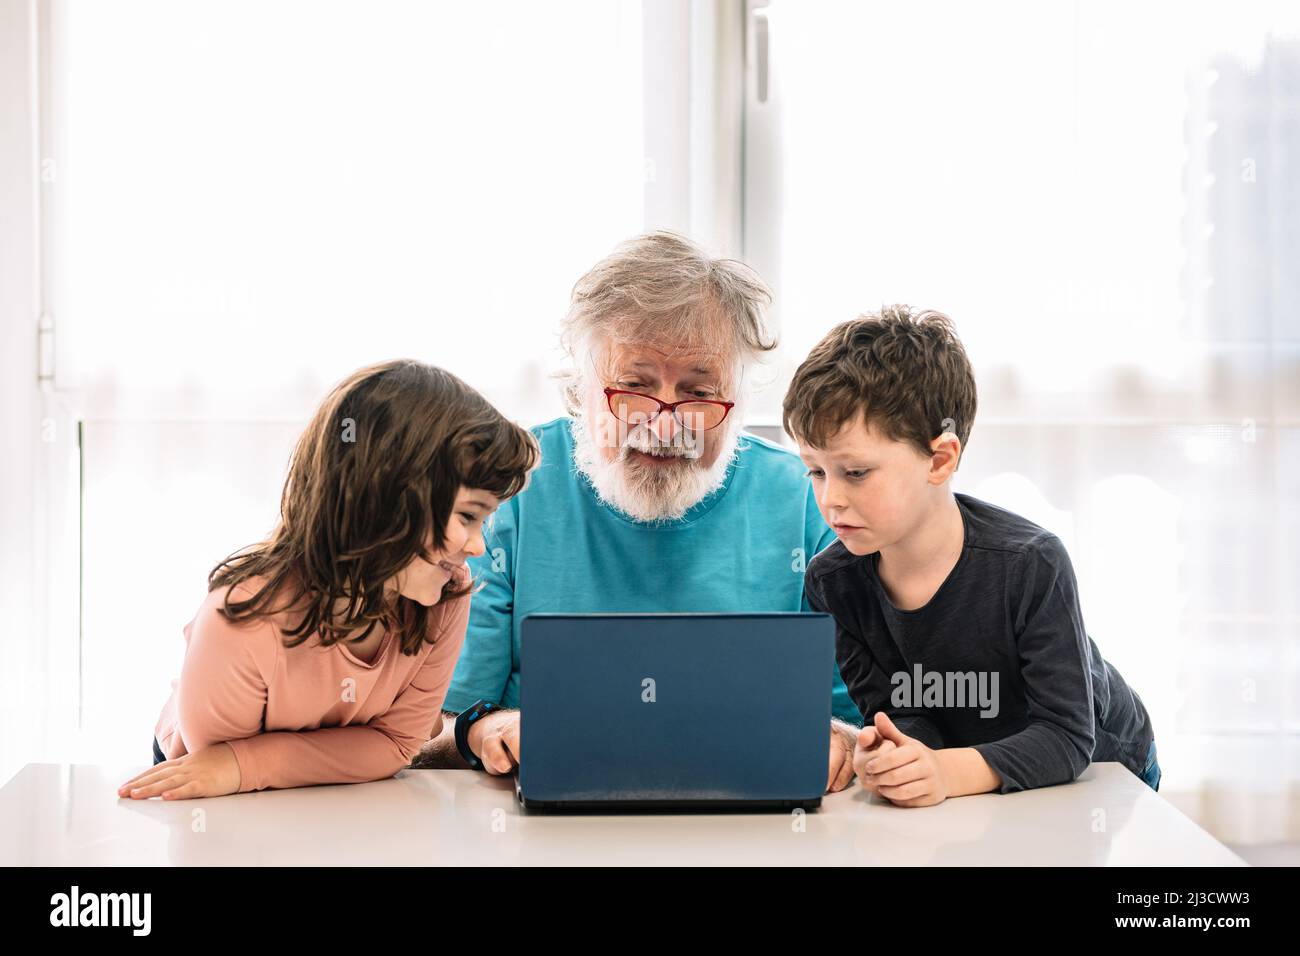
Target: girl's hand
[[210, 772], [909, 774]]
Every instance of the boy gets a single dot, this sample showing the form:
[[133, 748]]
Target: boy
[[958, 628]]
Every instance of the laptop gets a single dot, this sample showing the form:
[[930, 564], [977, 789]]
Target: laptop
[[655, 712]]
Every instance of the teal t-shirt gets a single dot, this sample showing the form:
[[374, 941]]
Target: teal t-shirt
[[557, 548]]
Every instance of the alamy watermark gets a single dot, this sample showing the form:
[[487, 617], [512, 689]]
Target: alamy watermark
[[944, 689], [75, 908]]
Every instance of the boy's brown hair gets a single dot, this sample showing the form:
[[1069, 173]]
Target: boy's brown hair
[[907, 373]]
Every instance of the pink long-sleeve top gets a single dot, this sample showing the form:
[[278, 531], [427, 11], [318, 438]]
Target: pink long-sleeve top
[[297, 716]]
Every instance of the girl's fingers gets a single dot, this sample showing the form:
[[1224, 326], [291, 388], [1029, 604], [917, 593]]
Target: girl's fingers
[[185, 791], [134, 781], [167, 782], [145, 777]]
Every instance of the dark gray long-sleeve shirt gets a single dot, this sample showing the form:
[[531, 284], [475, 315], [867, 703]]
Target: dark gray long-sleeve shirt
[[998, 659]]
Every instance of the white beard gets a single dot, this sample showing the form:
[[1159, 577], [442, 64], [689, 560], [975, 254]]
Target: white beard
[[651, 493]]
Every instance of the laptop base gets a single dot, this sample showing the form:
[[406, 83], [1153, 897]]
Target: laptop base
[[686, 805]]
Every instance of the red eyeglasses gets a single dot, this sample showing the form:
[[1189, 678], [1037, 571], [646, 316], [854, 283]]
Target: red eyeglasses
[[693, 414]]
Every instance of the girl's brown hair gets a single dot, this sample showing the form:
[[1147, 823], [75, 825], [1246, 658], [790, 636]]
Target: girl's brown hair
[[378, 468]]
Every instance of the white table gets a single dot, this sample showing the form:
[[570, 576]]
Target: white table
[[70, 815]]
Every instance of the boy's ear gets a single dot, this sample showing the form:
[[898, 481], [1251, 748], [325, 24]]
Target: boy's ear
[[945, 454]]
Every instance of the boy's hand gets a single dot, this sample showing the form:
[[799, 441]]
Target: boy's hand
[[869, 746], [210, 772], [907, 773], [840, 774]]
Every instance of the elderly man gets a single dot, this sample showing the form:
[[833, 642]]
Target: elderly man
[[648, 497]]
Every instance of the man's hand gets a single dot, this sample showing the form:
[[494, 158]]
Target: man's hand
[[841, 768], [901, 769], [210, 772], [495, 740]]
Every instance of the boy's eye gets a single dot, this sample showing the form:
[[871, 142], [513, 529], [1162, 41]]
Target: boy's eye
[[813, 473], [858, 474]]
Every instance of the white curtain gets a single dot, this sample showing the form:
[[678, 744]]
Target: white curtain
[[1105, 197], [248, 200]]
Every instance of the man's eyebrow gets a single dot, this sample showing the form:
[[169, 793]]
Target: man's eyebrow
[[697, 370]]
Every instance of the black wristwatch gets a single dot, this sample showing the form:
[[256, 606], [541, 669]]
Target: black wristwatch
[[463, 720]]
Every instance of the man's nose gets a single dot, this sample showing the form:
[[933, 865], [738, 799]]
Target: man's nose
[[665, 425]]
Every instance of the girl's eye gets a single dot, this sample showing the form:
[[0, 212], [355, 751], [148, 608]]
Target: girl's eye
[[468, 517]]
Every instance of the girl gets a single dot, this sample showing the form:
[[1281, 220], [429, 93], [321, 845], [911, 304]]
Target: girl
[[322, 654]]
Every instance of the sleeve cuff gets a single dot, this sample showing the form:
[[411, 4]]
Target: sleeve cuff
[[992, 754], [248, 777], [457, 701]]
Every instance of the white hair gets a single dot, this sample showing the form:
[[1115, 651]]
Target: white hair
[[662, 288]]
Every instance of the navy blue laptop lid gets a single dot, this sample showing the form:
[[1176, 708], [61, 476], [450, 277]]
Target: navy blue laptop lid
[[698, 708]]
